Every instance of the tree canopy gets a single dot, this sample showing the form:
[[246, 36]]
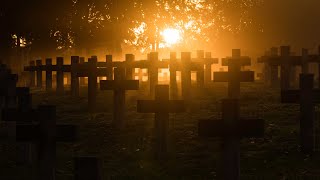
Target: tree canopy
[[74, 24]]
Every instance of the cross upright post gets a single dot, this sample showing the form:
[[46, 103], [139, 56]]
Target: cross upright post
[[274, 69], [81, 79], [32, 74], [130, 58], [39, 73], [186, 75], [48, 69], [285, 67], [92, 83], [200, 72], [208, 70], [74, 76], [153, 71], [173, 75], [60, 83], [161, 106], [109, 67]]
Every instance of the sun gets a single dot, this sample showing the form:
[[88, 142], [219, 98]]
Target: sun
[[171, 36]]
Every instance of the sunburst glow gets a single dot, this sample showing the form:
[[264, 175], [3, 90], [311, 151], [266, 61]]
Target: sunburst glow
[[171, 36]]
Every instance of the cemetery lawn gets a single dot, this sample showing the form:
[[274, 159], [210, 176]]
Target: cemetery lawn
[[128, 154]]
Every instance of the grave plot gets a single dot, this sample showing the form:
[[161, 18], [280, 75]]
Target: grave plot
[[130, 153]]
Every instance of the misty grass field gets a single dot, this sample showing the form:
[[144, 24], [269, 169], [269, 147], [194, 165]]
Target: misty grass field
[[128, 154]]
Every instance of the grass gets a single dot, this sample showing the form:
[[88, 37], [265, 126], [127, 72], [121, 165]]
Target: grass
[[128, 154]]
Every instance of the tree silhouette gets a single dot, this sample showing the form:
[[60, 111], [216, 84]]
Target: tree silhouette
[[79, 24]]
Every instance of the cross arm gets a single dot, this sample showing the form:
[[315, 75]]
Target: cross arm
[[31, 132], [165, 106], [66, 68], [206, 60], [262, 59], [119, 84], [196, 66], [314, 58], [244, 128], [279, 60], [243, 60], [14, 114], [30, 68], [148, 64], [293, 96], [290, 96], [244, 76]]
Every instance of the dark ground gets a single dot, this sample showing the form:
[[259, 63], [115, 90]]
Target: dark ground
[[128, 154]]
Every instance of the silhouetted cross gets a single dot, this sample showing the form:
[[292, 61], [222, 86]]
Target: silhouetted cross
[[231, 128], [161, 106], [307, 97], [234, 75], [119, 86]]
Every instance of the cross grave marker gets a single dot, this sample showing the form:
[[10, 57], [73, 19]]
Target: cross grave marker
[[234, 75], [45, 134], [119, 86], [307, 97], [231, 128], [161, 107]]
